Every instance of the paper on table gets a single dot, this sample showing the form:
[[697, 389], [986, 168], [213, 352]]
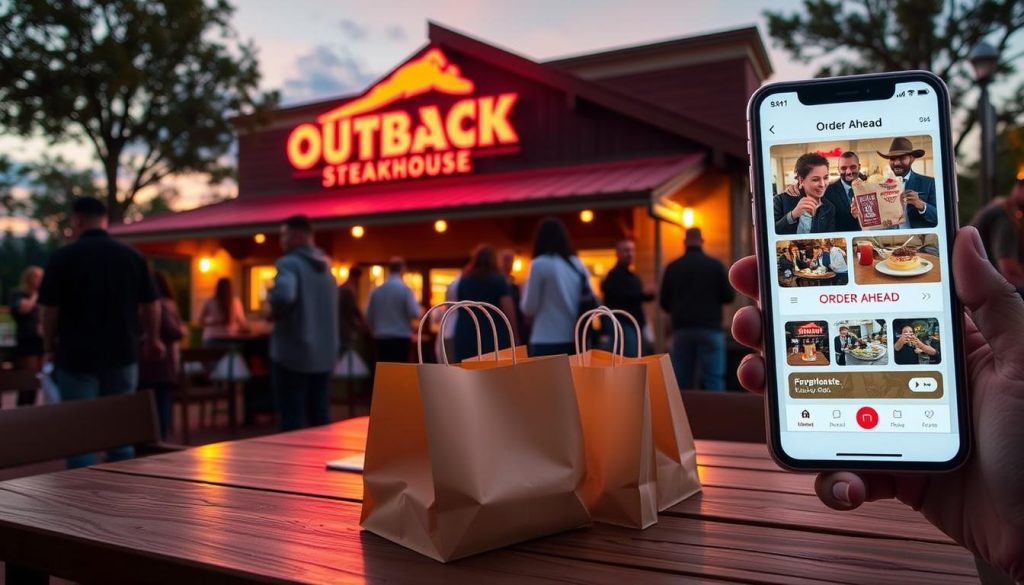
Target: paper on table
[[348, 463]]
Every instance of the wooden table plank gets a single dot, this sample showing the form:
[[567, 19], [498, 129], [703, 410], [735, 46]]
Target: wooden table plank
[[299, 470], [93, 526], [181, 527]]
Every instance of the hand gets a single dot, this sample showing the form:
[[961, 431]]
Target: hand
[[153, 349], [805, 205], [912, 198], [979, 505], [792, 190], [854, 211]]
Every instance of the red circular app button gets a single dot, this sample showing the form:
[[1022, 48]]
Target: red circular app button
[[867, 417]]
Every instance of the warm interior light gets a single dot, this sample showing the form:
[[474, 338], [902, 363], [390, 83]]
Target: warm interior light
[[1020, 173], [376, 271], [259, 238], [205, 265], [343, 272], [586, 216], [440, 226], [517, 265], [688, 217], [358, 231]]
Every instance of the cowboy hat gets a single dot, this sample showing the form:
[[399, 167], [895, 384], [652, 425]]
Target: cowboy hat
[[901, 146]]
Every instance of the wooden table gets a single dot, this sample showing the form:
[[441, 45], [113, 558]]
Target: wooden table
[[797, 359], [870, 275], [810, 279], [266, 510]]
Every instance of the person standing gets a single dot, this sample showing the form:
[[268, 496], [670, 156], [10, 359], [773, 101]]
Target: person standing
[[304, 341], [918, 189], [28, 334], [999, 225], [554, 288], [390, 314], [482, 281], [507, 263], [693, 290], [97, 296], [222, 315], [160, 374], [842, 343], [623, 290]]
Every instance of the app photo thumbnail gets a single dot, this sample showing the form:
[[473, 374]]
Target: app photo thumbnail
[[854, 185], [916, 341], [812, 262], [892, 259], [807, 343], [861, 342]]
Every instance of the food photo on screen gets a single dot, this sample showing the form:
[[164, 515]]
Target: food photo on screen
[[896, 259]]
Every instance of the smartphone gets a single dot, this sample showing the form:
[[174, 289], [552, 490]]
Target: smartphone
[[855, 210]]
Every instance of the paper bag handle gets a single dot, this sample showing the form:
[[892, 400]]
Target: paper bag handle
[[617, 339], [639, 332], [419, 336], [468, 305]]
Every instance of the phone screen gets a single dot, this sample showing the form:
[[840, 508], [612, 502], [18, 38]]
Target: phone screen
[[855, 229]]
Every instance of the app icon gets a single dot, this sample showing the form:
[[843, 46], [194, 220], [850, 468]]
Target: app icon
[[867, 418], [836, 414], [897, 414], [805, 414]]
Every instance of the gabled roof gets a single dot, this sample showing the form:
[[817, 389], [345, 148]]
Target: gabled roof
[[748, 36], [576, 87]]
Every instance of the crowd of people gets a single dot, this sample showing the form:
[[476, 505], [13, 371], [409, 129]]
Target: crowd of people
[[109, 324]]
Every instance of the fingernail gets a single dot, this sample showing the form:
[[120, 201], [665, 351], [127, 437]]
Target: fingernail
[[841, 490]]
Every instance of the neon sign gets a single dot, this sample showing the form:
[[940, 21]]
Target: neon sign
[[356, 143]]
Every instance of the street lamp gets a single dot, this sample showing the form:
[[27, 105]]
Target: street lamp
[[985, 59]]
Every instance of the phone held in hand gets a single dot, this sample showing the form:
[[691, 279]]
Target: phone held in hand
[[857, 377]]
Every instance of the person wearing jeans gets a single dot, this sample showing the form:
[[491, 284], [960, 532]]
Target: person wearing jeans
[[693, 290], [113, 381], [93, 294], [304, 343], [703, 347]]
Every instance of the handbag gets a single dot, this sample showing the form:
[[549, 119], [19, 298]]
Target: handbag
[[588, 300]]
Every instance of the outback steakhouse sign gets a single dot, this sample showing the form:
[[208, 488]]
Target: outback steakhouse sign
[[357, 143]]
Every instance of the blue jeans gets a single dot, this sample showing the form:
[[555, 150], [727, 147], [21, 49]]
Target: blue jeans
[[302, 399], [86, 386], [699, 345]]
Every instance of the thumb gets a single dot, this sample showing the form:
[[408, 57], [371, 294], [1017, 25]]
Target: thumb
[[995, 306]]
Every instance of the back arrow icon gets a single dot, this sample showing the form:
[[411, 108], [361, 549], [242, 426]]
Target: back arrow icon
[[772, 128]]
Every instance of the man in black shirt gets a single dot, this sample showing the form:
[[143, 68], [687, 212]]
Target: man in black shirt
[[693, 290], [998, 225], [623, 289], [93, 294]]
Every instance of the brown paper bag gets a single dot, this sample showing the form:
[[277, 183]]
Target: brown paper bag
[[879, 204], [615, 411], [461, 460], [674, 448]]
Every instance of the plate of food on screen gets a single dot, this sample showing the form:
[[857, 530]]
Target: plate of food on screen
[[903, 261]]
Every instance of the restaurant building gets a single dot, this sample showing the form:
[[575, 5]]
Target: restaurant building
[[466, 142]]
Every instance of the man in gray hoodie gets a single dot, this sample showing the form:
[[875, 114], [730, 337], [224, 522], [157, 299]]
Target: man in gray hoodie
[[304, 344]]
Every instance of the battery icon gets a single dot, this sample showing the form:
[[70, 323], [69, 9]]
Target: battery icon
[[922, 92]]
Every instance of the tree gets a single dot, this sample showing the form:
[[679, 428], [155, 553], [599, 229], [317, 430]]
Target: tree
[[866, 36], [149, 84]]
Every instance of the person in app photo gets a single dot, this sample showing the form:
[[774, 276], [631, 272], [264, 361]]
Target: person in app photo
[[835, 260], [840, 193], [843, 342], [911, 350], [789, 262], [809, 212], [918, 189]]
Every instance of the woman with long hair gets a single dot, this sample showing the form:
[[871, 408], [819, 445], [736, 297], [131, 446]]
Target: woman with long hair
[[483, 281], [28, 336], [222, 315], [161, 374], [554, 288]]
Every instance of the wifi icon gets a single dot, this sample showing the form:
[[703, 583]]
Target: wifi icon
[[910, 92]]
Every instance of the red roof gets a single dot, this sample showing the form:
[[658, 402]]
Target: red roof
[[627, 182]]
